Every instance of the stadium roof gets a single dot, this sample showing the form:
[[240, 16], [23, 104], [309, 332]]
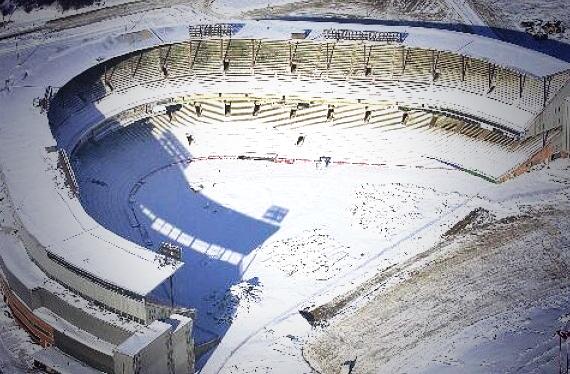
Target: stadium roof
[[498, 52]]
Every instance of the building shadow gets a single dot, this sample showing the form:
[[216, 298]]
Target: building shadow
[[134, 182]]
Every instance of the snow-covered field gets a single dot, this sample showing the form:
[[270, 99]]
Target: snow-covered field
[[433, 10], [490, 299], [263, 240]]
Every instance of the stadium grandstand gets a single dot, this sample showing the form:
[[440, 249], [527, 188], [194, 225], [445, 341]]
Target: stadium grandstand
[[289, 92]]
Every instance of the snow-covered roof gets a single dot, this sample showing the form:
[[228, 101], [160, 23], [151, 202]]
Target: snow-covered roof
[[17, 262], [16, 259], [498, 52], [105, 255]]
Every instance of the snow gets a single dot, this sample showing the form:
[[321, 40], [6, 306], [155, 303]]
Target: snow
[[54, 218], [260, 240], [516, 119], [16, 346], [490, 299], [470, 17], [55, 359], [16, 259], [232, 6], [429, 11], [263, 238], [40, 15], [104, 255], [506, 16]]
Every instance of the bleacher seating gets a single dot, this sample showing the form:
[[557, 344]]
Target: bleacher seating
[[557, 81], [272, 57], [476, 76], [207, 56], [533, 94], [339, 59], [118, 73], [335, 61], [179, 60], [418, 65], [238, 55], [385, 61], [507, 86], [449, 69]]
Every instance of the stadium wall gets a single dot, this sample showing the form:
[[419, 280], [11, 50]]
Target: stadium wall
[[38, 329], [163, 351], [53, 321], [556, 115]]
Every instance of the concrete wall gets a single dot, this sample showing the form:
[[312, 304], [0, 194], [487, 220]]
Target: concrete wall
[[150, 358], [555, 115], [76, 316], [169, 349], [183, 349], [83, 352], [111, 299], [40, 331]]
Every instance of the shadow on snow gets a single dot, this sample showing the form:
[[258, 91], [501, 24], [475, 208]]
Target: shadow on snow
[[215, 240]]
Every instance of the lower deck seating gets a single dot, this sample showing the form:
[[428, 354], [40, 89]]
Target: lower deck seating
[[389, 135]]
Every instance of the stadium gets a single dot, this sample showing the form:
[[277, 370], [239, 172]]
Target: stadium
[[223, 196]]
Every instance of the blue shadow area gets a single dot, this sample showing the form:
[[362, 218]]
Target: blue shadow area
[[134, 175]]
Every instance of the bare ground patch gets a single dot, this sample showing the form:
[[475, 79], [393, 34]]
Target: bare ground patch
[[432, 10], [492, 285]]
